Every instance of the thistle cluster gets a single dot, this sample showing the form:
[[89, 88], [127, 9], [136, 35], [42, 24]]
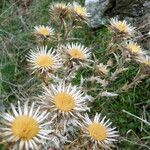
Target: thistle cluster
[[58, 118], [127, 51]]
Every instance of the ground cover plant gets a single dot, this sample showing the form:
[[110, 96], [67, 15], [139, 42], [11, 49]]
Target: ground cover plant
[[59, 80]]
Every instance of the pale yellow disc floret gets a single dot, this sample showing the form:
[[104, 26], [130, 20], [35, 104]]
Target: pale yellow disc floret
[[64, 101], [25, 127], [80, 10], [146, 62], [133, 48], [97, 131], [43, 31], [121, 26], [76, 53], [44, 61]]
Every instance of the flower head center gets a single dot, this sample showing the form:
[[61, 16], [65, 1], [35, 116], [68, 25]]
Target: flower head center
[[79, 10], [97, 131], [43, 31], [64, 101], [76, 53], [44, 61], [146, 62], [25, 127], [134, 48], [121, 26]]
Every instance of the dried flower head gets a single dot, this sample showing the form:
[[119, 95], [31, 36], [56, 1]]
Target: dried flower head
[[134, 48], [99, 131], [43, 60], [79, 12], [102, 69], [144, 60], [59, 10], [44, 31], [65, 100], [26, 128], [121, 27]]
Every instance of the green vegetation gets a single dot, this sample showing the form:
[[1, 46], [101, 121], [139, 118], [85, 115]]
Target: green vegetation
[[16, 25]]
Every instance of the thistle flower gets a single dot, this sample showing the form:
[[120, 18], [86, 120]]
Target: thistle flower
[[102, 69], [25, 127], [134, 48], [64, 100], [144, 60], [44, 31], [79, 12], [43, 60], [59, 10], [121, 27], [99, 131], [77, 52]]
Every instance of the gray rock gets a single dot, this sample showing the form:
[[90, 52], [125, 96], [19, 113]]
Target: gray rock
[[102, 10], [97, 8]]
